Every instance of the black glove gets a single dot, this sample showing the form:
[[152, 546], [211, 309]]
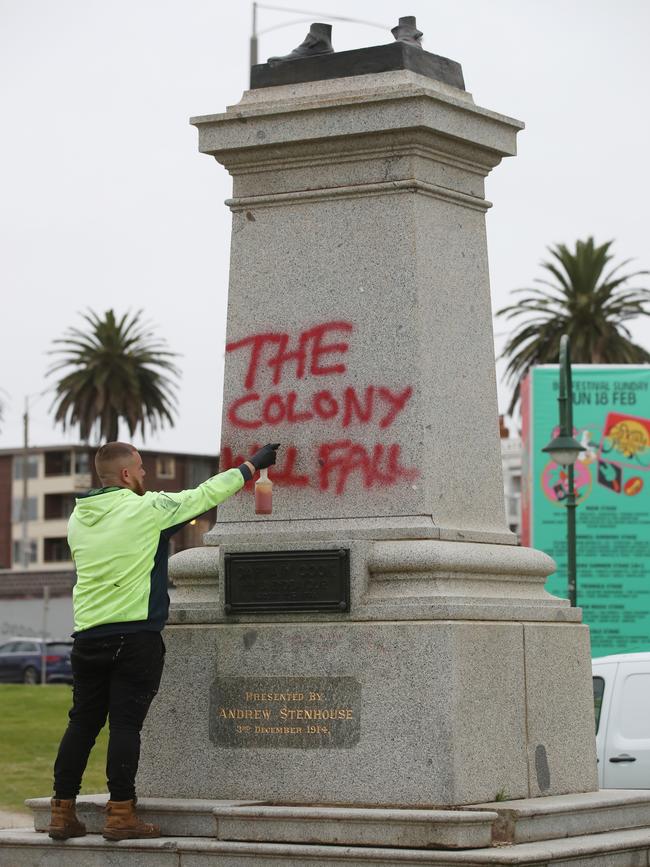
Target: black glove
[[265, 457]]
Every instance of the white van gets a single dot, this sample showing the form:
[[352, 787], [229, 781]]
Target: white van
[[622, 704]]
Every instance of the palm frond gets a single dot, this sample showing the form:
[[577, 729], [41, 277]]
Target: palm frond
[[586, 299], [114, 370]]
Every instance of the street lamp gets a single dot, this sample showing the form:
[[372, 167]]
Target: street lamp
[[325, 15], [25, 553], [564, 449]]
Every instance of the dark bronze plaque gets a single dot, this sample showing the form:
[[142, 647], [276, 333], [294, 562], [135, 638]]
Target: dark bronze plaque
[[285, 712], [285, 581]]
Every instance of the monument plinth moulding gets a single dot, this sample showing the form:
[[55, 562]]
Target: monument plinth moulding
[[359, 336]]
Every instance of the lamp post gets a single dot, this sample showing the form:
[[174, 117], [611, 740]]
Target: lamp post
[[564, 449], [25, 552]]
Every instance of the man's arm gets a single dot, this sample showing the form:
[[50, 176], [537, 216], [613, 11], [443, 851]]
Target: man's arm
[[171, 509]]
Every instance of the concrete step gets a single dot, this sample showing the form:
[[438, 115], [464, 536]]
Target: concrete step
[[176, 817], [559, 816], [20, 848], [523, 821], [255, 822], [610, 828], [351, 826], [11, 819]]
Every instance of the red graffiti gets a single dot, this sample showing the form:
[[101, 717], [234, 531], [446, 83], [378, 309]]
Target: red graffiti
[[309, 353], [283, 472], [397, 403], [275, 358], [377, 403], [338, 462], [286, 473]]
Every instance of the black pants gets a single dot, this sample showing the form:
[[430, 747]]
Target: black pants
[[115, 677]]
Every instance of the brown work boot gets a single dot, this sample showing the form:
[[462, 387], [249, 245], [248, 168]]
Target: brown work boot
[[122, 823], [63, 820]]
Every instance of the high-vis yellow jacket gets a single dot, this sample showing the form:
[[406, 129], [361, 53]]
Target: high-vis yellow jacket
[[119, 543]]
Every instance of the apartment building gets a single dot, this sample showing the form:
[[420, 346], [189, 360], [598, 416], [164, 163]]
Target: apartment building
[[55, 476], [511, 457], [511, 463]]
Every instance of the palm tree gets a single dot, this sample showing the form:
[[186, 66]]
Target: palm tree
[[114, 370], [583, 298]]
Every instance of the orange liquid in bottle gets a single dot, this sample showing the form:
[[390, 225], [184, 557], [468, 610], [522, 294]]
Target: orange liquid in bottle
[[263, 494]]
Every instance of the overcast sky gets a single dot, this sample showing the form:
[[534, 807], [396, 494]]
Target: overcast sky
[[106, 202]]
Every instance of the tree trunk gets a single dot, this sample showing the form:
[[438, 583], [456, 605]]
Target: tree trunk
[[113, 428]]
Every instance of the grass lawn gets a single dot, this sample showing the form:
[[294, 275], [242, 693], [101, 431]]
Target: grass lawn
[[32, 720]]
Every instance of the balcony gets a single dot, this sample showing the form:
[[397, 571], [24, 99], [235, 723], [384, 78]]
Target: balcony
[[58, 506], [56, 550], [82, 481]]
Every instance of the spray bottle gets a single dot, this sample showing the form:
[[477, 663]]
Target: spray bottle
[[263, 494]]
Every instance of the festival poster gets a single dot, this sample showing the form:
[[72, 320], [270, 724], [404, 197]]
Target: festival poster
[[611, 417]]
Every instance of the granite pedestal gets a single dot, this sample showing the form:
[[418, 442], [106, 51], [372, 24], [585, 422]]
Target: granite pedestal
[[359, 336]]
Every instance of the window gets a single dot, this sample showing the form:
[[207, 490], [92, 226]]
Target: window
[[32, 466], [56, 550], [513, 505], [81, 463], [599, 689], [198, 470], [58, 463], [635, 707], [165, 467], [59, 506], [31, 551], [26, 647], [62, 647], [17, 509]]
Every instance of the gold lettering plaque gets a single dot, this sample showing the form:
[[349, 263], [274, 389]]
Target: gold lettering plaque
[[285, 712]]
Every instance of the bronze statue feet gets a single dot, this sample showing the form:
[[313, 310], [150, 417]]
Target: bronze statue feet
[[317, 41], [406, 31]]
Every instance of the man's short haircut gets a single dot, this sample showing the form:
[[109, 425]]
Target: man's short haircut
[[110, 456]]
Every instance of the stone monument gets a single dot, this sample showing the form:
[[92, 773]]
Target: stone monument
[[359, 336], [379, 647]]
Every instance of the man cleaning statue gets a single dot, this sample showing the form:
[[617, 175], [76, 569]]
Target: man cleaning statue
[[118, 536]]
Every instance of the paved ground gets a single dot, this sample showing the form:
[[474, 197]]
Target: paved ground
[[15, 820]]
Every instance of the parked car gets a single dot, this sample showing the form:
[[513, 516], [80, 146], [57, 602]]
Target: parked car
[[622, 705], [21, 658]]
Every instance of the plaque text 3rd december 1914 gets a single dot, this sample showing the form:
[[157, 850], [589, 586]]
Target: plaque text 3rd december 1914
[[298, 712]]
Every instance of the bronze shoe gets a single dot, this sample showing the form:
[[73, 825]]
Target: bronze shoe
[[407, 32], [317, 41]]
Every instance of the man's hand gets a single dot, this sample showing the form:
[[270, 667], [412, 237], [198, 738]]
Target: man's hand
[[265, 457]]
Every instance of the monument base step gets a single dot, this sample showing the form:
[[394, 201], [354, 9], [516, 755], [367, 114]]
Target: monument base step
[[176, 817], [20, 848], [348, 826], [474, 827], [537, 819], [262, 823]]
